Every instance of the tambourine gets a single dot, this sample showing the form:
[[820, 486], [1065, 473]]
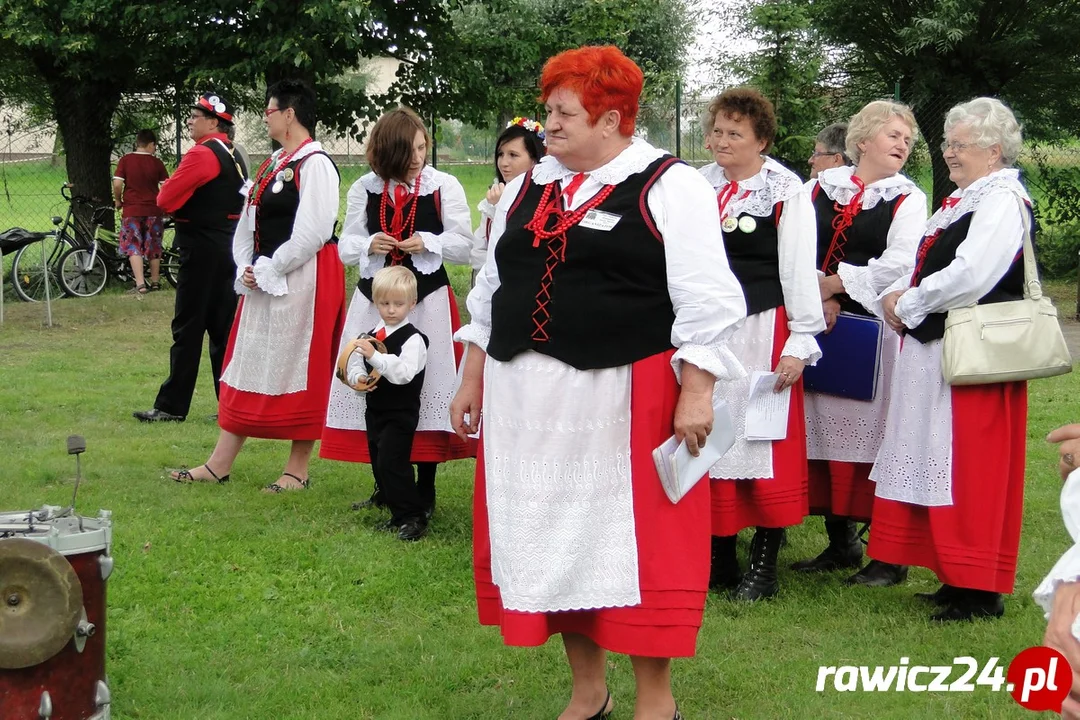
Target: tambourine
[[367, 382]]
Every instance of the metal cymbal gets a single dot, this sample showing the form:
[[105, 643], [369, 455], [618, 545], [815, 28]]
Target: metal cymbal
[[40, 602]]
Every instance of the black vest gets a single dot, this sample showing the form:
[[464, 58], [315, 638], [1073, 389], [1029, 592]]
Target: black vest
[[940, 255], [388, 396], [754, 257], [867, 237], [428, 219], [214, 208], [277, 210], [606, 299]]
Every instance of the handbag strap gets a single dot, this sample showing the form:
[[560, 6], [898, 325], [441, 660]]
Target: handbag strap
[[1032, 286]]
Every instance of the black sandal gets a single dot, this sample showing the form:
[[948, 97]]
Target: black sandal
[[275, 488], [154, 286], [183, 475], [604, 712], [139, 289]]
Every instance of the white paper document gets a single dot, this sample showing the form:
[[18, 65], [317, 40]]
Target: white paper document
[[767, 411], [680, 471]]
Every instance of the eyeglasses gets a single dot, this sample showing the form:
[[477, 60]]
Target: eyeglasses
[[955, 146], [817, 154], [198, 116], [270, 111]]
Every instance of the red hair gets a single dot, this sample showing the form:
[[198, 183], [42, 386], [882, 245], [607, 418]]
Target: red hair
[[603, 79]]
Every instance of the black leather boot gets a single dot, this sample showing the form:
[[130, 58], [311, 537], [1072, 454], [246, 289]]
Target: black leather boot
[[968, 604], [724, 572], [844, 549], [879, 574], [760, 581], [940, 597]]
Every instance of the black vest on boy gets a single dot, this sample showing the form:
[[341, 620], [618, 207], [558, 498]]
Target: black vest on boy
[[857, 244], [754, 258], [599, 300], [428, 219], [387, 396], [940, 254], [213, 210], [277, 210]]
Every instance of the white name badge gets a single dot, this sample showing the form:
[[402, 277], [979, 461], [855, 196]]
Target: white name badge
[[246, 187], [599, 220]]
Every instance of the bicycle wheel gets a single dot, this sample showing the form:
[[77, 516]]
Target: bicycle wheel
[[28, 275], [83, 272], [170, 258]]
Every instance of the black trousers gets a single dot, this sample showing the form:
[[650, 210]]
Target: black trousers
[[205, 305], [425, 484], [390, 437]]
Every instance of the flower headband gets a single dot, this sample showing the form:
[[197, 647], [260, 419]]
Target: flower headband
[[528, 124]]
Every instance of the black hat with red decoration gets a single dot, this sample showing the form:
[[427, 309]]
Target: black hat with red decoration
[[214, 105]]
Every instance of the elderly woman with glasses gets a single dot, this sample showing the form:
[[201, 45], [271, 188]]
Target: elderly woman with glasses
[[950, 471], [829, 149]]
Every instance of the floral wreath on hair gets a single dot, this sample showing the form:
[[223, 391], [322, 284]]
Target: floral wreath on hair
[[529, 124]]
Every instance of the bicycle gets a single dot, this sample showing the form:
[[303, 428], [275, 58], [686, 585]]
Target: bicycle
[[84, 271], [28, 275]]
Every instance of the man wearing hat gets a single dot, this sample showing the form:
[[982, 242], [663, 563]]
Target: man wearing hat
[[205, 198]]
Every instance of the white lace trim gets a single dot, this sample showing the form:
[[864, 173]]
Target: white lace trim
[[857, 285], [715, 359], [976, 192], [634, 159], [752, 344], [802, 346], [473, 333], [914, 464], [431, 316], [273, 341], [560, 500], [430, 181], [270, 281], [774, 183], [847, 430], [838, 186], [486, 209]]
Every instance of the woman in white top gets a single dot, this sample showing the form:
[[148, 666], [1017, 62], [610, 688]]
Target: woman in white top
[[950, 471], [769, 235], [870, 218], [518, 148]]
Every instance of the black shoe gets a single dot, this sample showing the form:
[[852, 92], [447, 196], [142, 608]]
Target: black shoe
[[879, 574], [388, 526], [724, 572], [429, 511], [940, 597], [760, 582], [156, 415], [372, 502], [844, 550], [411, 530], [970, 604]]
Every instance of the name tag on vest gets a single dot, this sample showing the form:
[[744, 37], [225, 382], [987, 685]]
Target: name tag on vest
[[599, 220]]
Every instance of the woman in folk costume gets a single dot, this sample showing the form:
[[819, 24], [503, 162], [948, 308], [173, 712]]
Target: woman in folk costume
[[605, 285], [950, 471], [768, 225], [870, 219], [280, 357], [405, 213], [518, 148]]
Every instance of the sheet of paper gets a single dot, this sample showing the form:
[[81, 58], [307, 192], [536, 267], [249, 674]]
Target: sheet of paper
[[679, 471], [767, 411]]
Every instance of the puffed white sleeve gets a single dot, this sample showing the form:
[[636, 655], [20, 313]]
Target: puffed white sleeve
[[708, 300], [478, 330], [864, 284], [316, 214], [1067, 568], [995, 236], [243, 247], [797, 240], [355, 240], [454, 243], [480, 237], [401, 369]]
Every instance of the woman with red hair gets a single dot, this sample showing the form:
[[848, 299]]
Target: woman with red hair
[[598, 328]]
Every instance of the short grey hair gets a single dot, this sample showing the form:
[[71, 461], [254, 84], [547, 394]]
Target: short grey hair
[[991, 123], [867, 123], [832, 138]]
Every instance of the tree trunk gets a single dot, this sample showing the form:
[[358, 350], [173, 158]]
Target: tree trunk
[[928, 115]]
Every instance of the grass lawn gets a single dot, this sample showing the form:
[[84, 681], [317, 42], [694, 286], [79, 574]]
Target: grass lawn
[[228, 603]]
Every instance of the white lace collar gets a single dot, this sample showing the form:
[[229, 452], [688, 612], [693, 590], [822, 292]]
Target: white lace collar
[[430, 181], [758, 194], [840, 188], [634, 159], [974, 194]]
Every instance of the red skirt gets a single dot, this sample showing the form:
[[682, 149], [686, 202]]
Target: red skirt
[[841, 488], [428, 445], [782, 500], [299, 415], [972, 543], [672, 545]]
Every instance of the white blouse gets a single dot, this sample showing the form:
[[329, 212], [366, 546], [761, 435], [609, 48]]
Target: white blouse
[[1067, 568], [400, 369], [314, 224], [480, 237], [707, 299], [452, 245]]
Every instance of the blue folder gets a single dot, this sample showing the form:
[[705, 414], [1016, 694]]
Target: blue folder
[[850, 358]]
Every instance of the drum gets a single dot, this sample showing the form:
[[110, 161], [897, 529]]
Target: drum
[[53, 570]]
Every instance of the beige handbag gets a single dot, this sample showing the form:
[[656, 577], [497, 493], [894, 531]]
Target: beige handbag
[[1006, 341]]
